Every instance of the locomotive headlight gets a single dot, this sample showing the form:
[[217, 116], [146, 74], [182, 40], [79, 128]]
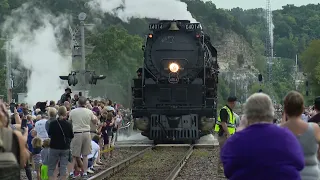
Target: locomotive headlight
[[174, 67]]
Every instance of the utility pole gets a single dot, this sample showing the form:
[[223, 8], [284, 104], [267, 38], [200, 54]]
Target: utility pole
[[296, 80], [269, 39], [82, 17], [80, 74], [9, 81]]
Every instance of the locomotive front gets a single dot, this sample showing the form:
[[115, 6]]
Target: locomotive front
[[176, 94]]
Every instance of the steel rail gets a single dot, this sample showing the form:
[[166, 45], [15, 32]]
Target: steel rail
[[119, 166], [176, 170], [173, 174]]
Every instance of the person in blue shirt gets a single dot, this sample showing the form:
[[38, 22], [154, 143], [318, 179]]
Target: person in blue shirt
[[31, 135]]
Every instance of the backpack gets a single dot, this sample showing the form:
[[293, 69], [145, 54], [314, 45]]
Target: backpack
[[9, 167]]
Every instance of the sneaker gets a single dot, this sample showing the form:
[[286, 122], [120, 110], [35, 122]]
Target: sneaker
[[96, 165], [85, 176], [74, 176], [99, 163], [93, 169], [90, 171]]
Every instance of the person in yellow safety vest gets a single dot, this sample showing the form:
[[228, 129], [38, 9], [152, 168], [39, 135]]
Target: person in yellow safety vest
[[226, 124]]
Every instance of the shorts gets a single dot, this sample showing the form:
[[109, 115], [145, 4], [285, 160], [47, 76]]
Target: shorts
[[37, 161], [61, 156], [105, 139], [81, 144]]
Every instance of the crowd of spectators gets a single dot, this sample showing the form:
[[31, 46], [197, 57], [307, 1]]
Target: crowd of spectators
[[261, 149], [68, 138]]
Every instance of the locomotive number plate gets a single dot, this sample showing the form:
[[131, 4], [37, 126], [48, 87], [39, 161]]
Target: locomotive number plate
[[193, 26], [155, 26]]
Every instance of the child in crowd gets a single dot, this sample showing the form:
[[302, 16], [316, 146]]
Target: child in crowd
[[32, 134], [45, 159], [36, 156]]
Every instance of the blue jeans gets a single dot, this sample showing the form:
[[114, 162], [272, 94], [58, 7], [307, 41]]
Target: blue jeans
[[90, 162]]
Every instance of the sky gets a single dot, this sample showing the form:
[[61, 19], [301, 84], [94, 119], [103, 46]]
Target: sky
[[249, 4]]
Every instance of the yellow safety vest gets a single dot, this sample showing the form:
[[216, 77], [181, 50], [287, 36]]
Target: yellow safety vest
[[231, 122]]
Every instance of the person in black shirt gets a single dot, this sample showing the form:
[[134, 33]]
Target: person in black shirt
[[224, 116], [66, 96], [223, 132], [61, 133], [316, 117]]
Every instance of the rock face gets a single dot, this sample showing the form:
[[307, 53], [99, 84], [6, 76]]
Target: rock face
[[234, 53]]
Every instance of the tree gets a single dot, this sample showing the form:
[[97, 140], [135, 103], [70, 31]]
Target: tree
[[118, 55], [310, 59]]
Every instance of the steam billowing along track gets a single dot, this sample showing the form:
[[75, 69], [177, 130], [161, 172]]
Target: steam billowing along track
[[166, 162]]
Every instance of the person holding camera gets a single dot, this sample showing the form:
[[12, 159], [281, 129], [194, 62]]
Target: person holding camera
[[14, 142]]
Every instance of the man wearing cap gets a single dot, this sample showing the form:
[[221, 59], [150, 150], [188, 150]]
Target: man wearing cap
[[66, 96], [316, 117], [226, 123]]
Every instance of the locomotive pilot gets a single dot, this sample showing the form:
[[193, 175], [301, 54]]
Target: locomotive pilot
[[226, 124]]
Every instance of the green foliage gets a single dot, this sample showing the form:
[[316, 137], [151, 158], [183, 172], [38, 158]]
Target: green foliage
[[311, 65], [118, 55]]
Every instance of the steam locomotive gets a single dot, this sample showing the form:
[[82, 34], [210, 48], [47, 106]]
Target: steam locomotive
[[175, 93]]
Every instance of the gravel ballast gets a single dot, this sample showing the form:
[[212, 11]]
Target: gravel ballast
[[154, 165], [202, 165]]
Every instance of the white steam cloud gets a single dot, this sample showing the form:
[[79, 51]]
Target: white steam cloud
[[36, 36], [158, 9]]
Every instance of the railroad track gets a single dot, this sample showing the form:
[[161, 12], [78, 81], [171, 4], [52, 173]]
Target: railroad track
[[165, 162]]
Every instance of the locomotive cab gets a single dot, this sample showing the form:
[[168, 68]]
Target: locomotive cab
[[175, 97]]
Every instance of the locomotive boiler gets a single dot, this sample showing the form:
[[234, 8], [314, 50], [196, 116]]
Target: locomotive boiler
[[175, 93]]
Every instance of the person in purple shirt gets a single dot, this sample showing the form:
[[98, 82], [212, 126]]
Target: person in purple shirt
[[262, 150]]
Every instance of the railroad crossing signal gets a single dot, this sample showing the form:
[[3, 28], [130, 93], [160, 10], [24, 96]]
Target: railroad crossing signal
[[73, 80], [94, 78]]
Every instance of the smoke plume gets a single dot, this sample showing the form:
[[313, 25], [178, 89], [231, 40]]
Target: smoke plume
[[159, 9], [36, 35]]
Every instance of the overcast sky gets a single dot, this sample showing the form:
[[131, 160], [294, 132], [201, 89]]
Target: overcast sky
[[248, 4]]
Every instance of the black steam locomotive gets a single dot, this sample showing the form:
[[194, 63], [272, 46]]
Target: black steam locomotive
[[175, 93]]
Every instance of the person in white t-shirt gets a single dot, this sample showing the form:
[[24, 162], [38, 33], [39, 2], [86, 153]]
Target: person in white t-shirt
[[40, 128], [94, 155]]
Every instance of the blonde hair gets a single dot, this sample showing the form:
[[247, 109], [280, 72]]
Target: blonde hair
[[36, 142], [46, 143], [29, 117], [52, 112], [62, 111], [37, 111], [38, 117]]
